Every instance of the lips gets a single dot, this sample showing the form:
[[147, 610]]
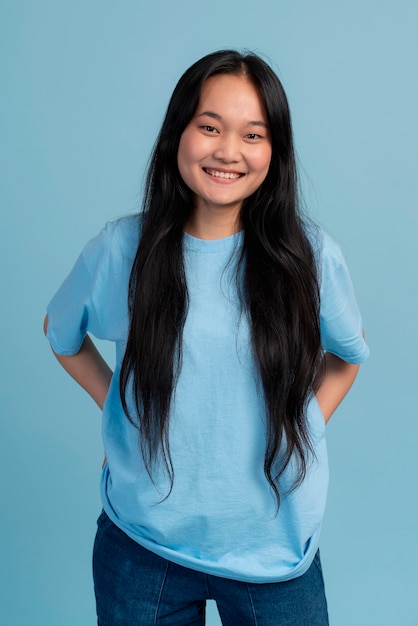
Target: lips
[[222, 174]]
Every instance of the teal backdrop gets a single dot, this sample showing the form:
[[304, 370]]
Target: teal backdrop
[[84, 86]]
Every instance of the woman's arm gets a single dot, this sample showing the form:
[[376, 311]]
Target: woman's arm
[[88, 368], [338, 378]]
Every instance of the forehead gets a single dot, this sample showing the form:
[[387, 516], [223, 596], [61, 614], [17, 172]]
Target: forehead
[[224, 93]]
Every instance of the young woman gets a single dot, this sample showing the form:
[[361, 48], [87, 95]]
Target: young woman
[[237, 336]]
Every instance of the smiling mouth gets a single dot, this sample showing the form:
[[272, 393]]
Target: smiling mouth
[[224, 175]]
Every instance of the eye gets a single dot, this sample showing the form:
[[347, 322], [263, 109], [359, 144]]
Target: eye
[[209, 129], [253, 136]]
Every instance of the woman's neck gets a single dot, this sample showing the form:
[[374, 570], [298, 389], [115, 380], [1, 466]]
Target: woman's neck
[[211, 225]]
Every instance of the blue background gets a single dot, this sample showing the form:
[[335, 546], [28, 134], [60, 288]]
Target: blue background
[[84, 86]]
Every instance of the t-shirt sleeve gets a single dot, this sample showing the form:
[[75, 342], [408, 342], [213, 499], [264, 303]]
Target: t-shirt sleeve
[[72, 311], [340, 319]]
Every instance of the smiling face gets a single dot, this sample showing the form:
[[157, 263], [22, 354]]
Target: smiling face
[[224, 152]]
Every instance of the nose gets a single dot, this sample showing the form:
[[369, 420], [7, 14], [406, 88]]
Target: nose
[[227, 149]]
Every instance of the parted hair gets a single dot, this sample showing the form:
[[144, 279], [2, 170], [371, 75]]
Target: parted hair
[[277, 282]]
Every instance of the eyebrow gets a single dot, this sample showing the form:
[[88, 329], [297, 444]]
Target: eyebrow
[[218, 117]]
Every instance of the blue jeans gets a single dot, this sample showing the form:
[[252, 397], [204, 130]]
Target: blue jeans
[[135, 587]]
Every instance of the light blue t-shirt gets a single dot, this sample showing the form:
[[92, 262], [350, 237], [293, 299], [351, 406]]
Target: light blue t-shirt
[[220, 517]]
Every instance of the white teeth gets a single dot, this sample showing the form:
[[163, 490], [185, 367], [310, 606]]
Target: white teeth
[[217, 174]]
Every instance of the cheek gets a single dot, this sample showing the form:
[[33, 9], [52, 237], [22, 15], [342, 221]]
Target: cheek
[[187, 159], [259, 156], [181, 155], [267, 158], [188, 152], [261, 162], [182, 160]]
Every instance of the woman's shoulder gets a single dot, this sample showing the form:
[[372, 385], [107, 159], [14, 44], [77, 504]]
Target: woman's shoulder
[[118, 239], [325, 248], [123, 232]]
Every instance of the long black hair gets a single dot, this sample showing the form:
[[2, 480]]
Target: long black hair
[[279, 292]]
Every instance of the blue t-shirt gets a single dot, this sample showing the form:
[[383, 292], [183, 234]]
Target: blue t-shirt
[[220, 517]]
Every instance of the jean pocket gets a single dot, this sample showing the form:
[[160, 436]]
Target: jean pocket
[[317, 561], [103, 524]]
